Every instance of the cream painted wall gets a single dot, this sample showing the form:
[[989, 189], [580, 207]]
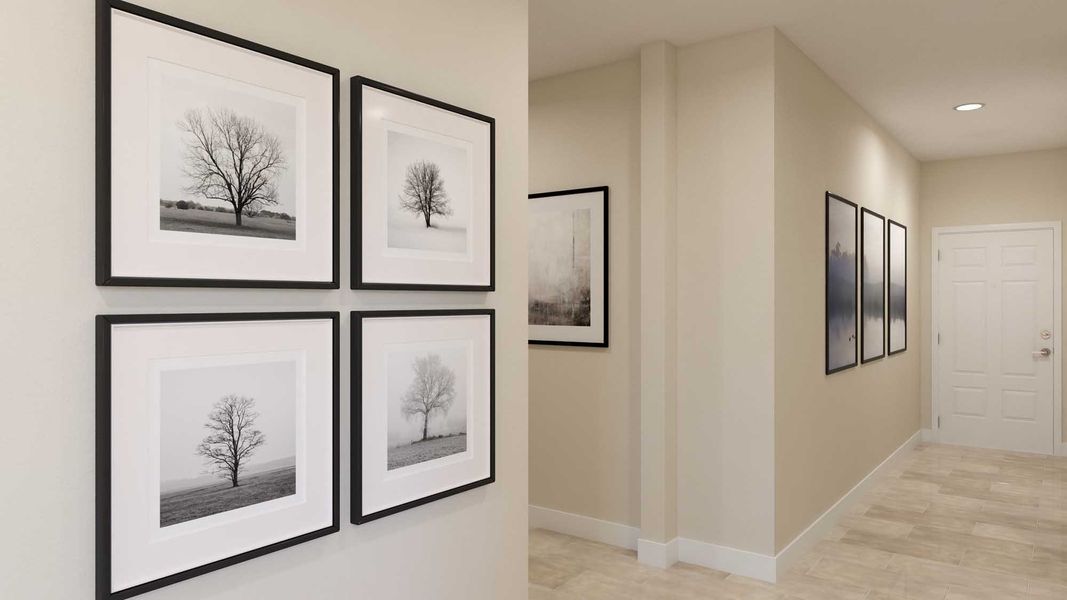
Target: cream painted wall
[[725, 299], [584, 402], [1009, 188], [469, 52], [831, 431]]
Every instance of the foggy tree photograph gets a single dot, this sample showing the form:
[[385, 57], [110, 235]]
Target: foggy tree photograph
[[227, 160], [898, 287], [841, 334], [873, 288], [227, 438], [559, 267], [428, 187], [427, 393]]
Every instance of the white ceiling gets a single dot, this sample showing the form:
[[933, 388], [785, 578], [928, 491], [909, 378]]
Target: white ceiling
[[908, 62]]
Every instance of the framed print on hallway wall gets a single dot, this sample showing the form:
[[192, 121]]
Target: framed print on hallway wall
[[422, 192], [217, 442], [568, 267], [841, 300], [217, 158], [422, 407], [872, 279], [897, 241]]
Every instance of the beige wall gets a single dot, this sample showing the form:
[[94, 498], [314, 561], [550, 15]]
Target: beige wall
[[725, 294], [472, 53], [1009, 188], [584, 402], [831, 431]]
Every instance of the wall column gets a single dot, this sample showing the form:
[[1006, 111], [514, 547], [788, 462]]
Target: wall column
[[657, 545]]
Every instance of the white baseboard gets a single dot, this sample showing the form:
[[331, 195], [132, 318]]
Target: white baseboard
[[730, 560], [1061, 449], [927, 435], [721, 558], [589, 528], [655, 554], [788, 556]]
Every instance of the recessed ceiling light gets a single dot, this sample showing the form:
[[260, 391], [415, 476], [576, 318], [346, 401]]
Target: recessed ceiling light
[[969, 106]]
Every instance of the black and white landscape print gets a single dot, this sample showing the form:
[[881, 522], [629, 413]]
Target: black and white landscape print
[[428, 188], [227, 438], [559, 264], [427, 394], [873, 290], [227, 155], [841, 334], [898, 287]]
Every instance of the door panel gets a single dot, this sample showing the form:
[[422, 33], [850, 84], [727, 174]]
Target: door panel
[[996, 291]]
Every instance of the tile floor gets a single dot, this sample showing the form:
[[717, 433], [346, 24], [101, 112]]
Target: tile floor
[[946, 523]]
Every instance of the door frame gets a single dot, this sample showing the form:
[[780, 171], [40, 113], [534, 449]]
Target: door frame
[[1059, 447]]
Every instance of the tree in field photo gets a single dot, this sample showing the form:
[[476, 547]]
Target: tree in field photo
[[433, 390], [424, 192], [233, 437], [232, 159]]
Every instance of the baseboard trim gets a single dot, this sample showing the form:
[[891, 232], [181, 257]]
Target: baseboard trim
[[1061, 449], [788, 556], [657, 554], [730, 560], [589, 528], [721, 558]]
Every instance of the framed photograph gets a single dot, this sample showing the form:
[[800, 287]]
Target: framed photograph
[[422, 192], [422, 407], [217, 158], [897, 241], [872, 276], [217, 442], [842, 324], [568, 268]]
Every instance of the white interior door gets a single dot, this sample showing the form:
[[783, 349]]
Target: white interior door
[[996, 318]]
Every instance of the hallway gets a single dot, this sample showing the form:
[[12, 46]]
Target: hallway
[[947, 523]]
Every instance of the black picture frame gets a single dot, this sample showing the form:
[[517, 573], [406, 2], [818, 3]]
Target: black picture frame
[[104, 276], [890, 224], [104, 325], [863, 295], [602, 189], [357, 318], [830, 198], [357, 84]]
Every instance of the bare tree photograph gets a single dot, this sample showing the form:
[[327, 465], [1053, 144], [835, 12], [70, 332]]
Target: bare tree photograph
[[427, 390], [559, 263], [227, 159], [428, 194], [227, 438]]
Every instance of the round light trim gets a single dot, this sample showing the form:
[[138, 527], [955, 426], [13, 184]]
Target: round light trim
[[970, 106]]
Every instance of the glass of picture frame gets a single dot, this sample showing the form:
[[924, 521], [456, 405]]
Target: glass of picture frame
[[217, 158], [422, 192], [422, 407], [217, 442]]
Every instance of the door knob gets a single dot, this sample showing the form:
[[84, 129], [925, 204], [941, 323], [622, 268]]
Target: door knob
[[1043, 353]]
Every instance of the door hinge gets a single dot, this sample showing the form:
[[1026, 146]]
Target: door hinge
[[938, 255], [939, 421], [938, 338]]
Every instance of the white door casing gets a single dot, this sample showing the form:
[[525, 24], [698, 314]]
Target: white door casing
[[996, 305]]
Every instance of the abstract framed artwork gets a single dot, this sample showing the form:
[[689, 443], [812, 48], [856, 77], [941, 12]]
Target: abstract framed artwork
[[568, 268], [217, 442], [842, 327], [897, 331], [422, 407], [217, 158], [422, 192], [872, 280]]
